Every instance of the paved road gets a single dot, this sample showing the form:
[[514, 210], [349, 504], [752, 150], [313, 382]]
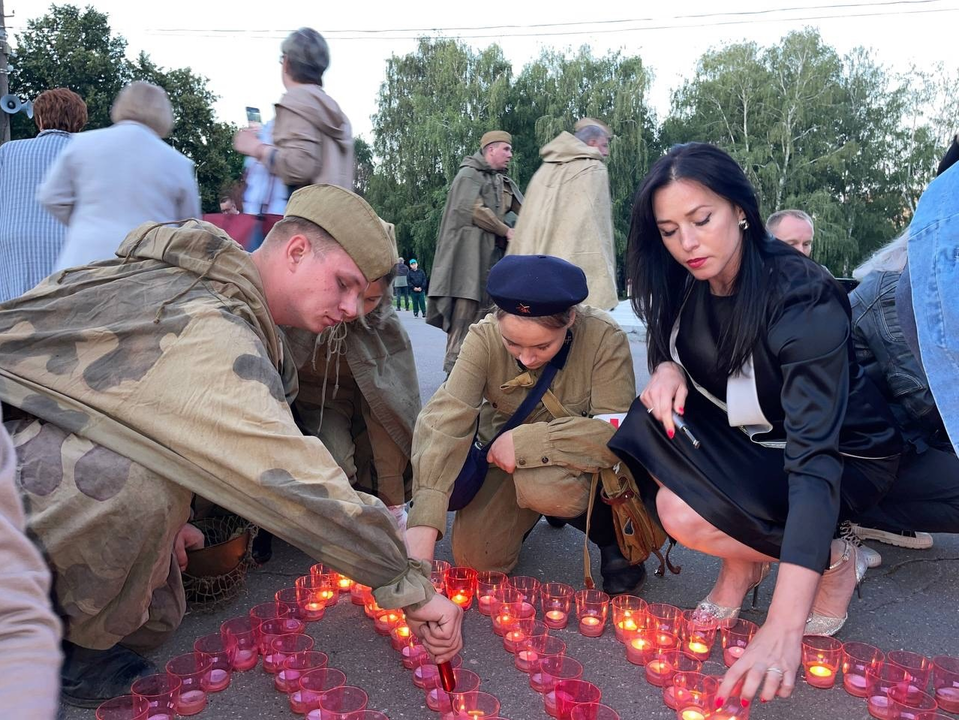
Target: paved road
[[909, 602]]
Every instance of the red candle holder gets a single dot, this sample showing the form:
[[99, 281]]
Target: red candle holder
[[690, 688], [918, 667], [193, 671], [470, 705], [665, 618], [732, 709], [556, 599], [161, 692], [857, 657], [734, 638], [339, 703], [312, 593], [535, 649], [438, 575], [411, 655], [288, 597], [330, 592], [268, 611], [906, 706], [272, 629], [361, 594], [698, 636], [312, 685], [438, 699], [461, 586], [629, 614], [284, 647], [641, 645], [551, 670], [523, 629], [488, 582], [125, 707], [370, 609], [321, 569], [509, 609], [529, 586], [288, 679], [881, 678], [661, 669], [569, 693], [593, 711], [401, 636], [242, 633], [693, 712], [344, 584], [221, 654], [592, 606], [427, 674], [386, 620], [821, 657], [946, 683]]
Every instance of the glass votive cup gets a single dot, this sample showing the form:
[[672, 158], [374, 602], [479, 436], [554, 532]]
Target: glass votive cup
[[331, 592], [367, 715], [313, 684], [370, 609], [690, 687], [698, 636], [528, 586], [881, 678], [401, 636], [125, 707], [344, 584], [221, 653], [461, 585], [556, 599], [821, 657], [734, 637], [662, 667], [284, 647], [536, 648], [291, 598], [946, 683], [161, 691], [241, 631], [472, 704], [629, 613], [321, 569], [593, 711], [855, 660], [509, 608], [193, 671], [427, 674], [339, 703], [270, 611], [640, 645], [438, 575], [665, 618], [410, 656], [918, 666], [438, 699], [488, 582], [312, 593], [360, 594], [551, 670], [288, 679], [592, 606], [272, 629], [386, 620], [523, 629], [692, 712], [906, 706], [732, 709], [569, 693]]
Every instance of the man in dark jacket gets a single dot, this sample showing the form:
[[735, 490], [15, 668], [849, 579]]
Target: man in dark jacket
[[417, 284]]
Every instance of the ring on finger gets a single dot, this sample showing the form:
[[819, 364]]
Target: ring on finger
[[776, 670]]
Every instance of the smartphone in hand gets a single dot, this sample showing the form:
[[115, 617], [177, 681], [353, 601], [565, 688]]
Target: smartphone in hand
[[253, 117]]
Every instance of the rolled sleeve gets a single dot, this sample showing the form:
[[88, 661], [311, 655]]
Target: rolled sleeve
[[573, 442]]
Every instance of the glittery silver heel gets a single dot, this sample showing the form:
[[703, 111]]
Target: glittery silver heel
[[708, 610], [821, 624]]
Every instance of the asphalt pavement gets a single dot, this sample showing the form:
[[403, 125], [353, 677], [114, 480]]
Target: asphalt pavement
[[910, 602]]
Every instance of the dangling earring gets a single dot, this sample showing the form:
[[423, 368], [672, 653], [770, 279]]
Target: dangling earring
[[743, 224]]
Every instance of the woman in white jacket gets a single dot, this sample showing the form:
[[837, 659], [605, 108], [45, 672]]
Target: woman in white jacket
[[109, 181]]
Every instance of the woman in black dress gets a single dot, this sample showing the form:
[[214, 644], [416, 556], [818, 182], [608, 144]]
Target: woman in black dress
[[749, 345]]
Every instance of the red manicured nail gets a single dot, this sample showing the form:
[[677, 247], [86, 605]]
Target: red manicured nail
[[670, 434], [744, 702], [763, 701], [719, 702], [680, 411]]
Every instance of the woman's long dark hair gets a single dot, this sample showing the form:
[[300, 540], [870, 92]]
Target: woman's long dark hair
[[660, 282]]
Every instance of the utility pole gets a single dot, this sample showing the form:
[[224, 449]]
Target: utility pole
[[4, 77]]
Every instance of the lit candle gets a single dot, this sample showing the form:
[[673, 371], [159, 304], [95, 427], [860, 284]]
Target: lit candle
[[699, 649], [591, 626], [659, 672], [512, 639], [820, 676], [627, 624], [555, 619], [501, 622], [639, 650], [344, 583], [732, 654], [948, 698], [462, 599], [691, 714], [666, 640], [191, 702]]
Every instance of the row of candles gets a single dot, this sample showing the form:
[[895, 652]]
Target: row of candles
[[673, 646], [274, 631]]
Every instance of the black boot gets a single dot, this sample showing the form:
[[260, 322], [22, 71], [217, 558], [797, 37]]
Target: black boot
[[619, 576], [89, 677], [262, 549]]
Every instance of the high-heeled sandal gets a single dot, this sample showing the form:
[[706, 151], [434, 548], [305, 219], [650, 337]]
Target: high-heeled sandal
[[708, 610], [820, 623]]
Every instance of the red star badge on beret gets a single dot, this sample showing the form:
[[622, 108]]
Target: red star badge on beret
[[523, 309]]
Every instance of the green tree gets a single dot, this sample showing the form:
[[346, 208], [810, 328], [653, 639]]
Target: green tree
[[77, 50]]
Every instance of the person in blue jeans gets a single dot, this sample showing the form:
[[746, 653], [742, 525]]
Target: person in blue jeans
[[417, 284]]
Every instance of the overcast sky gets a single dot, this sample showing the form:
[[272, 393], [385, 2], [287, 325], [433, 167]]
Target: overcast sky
[[236, 44]]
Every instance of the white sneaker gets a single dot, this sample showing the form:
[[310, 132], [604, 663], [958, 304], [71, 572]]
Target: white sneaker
[[911, 540], [847, 532]]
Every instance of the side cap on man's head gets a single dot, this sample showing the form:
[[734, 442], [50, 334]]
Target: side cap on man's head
[[588, 121], [351, 222], [495, 136]]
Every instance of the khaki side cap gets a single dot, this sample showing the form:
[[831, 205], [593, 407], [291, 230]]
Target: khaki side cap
[[495, 136]]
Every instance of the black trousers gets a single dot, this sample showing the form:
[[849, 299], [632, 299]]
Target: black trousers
[[403, 292]]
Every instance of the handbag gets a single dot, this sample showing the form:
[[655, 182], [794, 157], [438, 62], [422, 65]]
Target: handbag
[[474, 470]]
